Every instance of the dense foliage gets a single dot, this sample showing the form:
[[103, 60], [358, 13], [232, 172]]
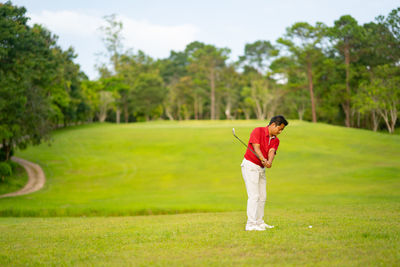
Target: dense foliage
[[40, 85]]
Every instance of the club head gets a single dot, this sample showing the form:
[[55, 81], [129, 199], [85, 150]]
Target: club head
[[233, 131]]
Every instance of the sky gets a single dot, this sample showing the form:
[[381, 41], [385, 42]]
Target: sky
[[157, 27]]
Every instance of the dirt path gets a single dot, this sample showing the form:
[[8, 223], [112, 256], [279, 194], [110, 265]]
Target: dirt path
[[36, 178]]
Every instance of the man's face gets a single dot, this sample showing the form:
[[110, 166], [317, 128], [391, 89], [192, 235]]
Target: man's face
[[275, 129]]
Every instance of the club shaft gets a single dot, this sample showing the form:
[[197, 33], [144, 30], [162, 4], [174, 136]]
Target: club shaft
[[247, 147]]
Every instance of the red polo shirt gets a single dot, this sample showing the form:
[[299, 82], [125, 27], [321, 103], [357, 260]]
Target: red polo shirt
[[260, 135]]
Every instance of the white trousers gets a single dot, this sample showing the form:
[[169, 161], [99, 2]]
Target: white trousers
[[256, 186]]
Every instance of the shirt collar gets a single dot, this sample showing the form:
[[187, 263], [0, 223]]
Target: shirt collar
[[267, 133]]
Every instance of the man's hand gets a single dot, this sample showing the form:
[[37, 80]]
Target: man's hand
[[266, 163]]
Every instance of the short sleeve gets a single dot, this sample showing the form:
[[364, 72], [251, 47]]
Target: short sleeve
[[255, 136], [275, 145]]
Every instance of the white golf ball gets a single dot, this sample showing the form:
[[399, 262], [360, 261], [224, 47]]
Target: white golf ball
[[310, 226]]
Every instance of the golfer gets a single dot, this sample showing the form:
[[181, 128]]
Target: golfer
[[264, 141]]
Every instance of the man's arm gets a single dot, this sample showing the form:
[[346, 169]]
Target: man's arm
[[259, 153], [271, 155]]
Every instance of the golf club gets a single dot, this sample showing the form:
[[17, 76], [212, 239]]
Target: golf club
[[233, 131]]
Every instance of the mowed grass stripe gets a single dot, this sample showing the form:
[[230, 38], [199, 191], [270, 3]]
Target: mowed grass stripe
[[177, 167]]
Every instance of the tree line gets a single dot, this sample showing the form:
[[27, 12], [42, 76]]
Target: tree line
[[347, 74]]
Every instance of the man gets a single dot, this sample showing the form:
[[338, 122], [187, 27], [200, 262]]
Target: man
[[264, 141]]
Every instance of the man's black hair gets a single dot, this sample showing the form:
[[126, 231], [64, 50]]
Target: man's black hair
[[278, 120]]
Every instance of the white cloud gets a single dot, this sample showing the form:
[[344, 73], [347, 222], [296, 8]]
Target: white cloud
[[80, 30], [157, 40], [67, 22]]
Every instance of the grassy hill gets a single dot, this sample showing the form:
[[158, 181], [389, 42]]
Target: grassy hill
[[342, 182], [176, 167]]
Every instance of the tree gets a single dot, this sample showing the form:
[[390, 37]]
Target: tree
[[113, 42], [183, 96], [304, 43], [346, 35], [382, 95], [91, 97], [65, 92], [106, 101], [392, 22], [27, 68], [230, 89], [149, 93], [130, 67], [174, 67], [174, 71], [257, 94], [258, 55], [379, 46], [112, 39], [294, 80], [208, 61]]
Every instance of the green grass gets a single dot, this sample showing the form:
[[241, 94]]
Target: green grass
[[341, 236], [14, 182], [343, 182], [172, 167]]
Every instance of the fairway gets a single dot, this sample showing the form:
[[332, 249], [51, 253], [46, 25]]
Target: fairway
[[343, 182]]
